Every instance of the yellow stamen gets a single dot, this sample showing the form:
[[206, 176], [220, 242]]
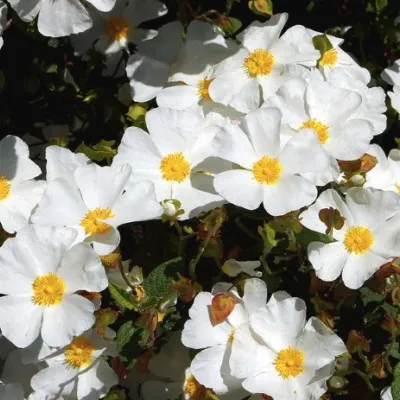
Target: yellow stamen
[[175, 168], [329, 58], [358, 239], [117, 28], [193, 389], [48, 290], [5, 187], [319, 127], [203, 86], [398, 188], [259, 63], [93, 223], [231, 336], [267, 170], [79, 353], [289, 362]]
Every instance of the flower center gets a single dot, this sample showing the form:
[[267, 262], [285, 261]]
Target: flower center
[[48, 290], [93, 223], [4, 187], [259, 63], [79, 352], [320, 128], [174, 167], [398, 188], [193, 388], [117, 28], [203, 86], [358, 239], [329, 58], [289, 362], [267, 170]]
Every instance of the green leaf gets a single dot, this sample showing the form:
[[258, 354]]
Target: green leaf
[[101, 151], [377, 6], [157, 283], [128, 338], [123, 299], [261, 7], [322, 43], [369, 296], [230, 25], [116, 394], [393, 350], [396, 383], [306, 236]]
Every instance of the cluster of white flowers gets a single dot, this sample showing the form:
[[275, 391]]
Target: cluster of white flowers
[[261, 120]]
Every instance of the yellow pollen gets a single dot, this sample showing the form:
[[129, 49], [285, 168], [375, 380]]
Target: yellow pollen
[[193, 388], [289, 362], [4, 187], [79, 353], [93, 223], [175, 168], [267, 170], [48, 290], [117, 28], [203, 86], [398, 188], [259, 63], [231, 336], [358, 239], [319, 127], [329, 58]]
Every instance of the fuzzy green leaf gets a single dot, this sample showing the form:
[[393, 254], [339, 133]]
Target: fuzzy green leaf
[[369, 296], [157, 283], [123, 299], [128, 338], [396, 383]]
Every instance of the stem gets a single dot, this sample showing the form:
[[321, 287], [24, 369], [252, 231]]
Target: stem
[[193, 262], [363, 358], [245, 230], [366, 379], [125, 278]]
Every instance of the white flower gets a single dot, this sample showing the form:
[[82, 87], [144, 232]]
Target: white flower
[[281, 355], [368, 239], [95, 201], [392, 76], [3, 21], [386, 173], [11, 391], [171, 367], [39, 275], [148, 69], [261, 63], [60, 17], [79, 369], [19, 193], [336, 59], [328, 110], [113, 31], [386, 394], [269, 174], [234, 268], [372, 107], [170, 157], [195, 68], [16, 370], [210, 367]]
